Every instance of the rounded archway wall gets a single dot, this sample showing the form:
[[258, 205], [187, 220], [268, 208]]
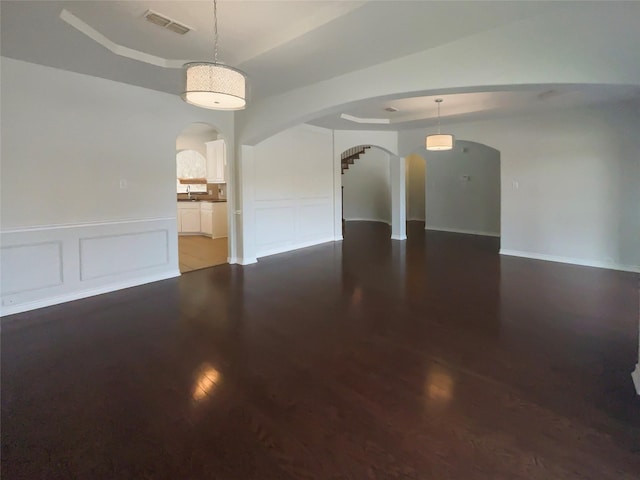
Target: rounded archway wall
[[456, 190], [366, 186]]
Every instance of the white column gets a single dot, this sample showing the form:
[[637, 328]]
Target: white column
[[337, 193], [398, 198], [245, 213]]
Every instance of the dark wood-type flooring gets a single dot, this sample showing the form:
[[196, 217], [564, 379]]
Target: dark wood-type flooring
[[433, 358]]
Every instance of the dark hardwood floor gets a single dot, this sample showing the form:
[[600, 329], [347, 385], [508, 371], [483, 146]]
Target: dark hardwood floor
[[433, 358]]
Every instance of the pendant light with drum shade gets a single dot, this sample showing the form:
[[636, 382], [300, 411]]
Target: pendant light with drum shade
[[439, 141], [214, 85]]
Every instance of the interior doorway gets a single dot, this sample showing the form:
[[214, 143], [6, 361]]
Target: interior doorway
[[366, 185], [456, 191], [201, 196]]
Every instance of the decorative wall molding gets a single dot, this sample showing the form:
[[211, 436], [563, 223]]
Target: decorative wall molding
[[463, 231], [138, 254], [570, 260], [58, 226], [44, 257], [46, 265]]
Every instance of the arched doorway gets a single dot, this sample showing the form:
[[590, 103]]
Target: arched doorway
[[201, 188], [372, 182], [457, 190]]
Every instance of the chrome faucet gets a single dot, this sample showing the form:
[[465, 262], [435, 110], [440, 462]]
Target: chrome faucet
[[189, 192]]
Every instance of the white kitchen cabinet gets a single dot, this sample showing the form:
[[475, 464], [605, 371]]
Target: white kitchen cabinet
[[206, 218], [188, 217], [216, 161], [220, 225]]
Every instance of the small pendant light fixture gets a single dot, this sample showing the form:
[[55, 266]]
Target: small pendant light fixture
[[214, 85], [439, 141]]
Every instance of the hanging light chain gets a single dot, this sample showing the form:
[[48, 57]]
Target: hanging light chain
[[438, 101], [215, 31]]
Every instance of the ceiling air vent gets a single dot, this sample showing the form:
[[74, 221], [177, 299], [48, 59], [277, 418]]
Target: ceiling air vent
[[165, 22], [391, 109]]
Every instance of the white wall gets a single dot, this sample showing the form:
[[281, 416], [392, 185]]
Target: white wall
[[290, 183], [570, 183], [415, 187], [367, 187], [195, 141], [463, 189], [69, 142], [576, 43]]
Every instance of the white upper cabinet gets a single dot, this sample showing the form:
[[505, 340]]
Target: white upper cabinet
[[216, 161]]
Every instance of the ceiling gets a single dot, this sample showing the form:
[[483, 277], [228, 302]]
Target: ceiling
[[282, 45], [422, 111]]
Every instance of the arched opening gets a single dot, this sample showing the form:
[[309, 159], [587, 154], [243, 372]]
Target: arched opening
[[201, 189], [457, 190], [366, 184]]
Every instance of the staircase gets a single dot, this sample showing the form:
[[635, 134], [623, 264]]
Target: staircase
[[349, 156]]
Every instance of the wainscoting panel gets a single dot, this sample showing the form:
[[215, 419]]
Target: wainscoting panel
[[290, 224], [114, 254], [47, 265], [314, 219], [275, 224], [31, 267]]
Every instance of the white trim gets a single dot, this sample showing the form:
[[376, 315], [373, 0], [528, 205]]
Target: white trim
[[291, 247], [338, 238], [47, 302], [398, 237], [635, 376], [353, 118], [85, 224], [246, 261], [462, 230], [232, 260], [572, 261], [377, 220], [120, 50]]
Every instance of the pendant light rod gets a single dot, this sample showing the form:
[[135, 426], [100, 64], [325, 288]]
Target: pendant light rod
[[439, 141], [215, 31], [438, 102]]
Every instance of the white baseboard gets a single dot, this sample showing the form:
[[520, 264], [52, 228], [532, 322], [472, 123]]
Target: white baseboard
[[570, 260], [47, 302], [295, 246], [246, 261], [398, 237], [461, 230], [377, 220], [635, 376]]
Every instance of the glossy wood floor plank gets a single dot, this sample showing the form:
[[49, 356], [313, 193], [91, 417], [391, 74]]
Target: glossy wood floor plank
[[433, 358]]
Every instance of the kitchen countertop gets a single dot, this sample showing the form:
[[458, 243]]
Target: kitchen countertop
[[198, 199], [203, 200]]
